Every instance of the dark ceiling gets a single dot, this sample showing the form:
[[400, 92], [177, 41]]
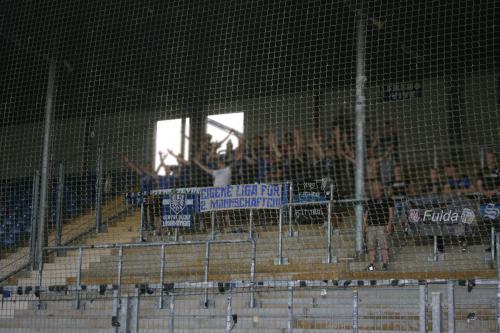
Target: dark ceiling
[[113, 55]]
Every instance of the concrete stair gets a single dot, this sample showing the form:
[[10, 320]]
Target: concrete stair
[[305, 253]]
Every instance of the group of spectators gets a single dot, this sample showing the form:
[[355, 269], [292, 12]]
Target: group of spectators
[[295, 157], [381, 209], [275, 157]]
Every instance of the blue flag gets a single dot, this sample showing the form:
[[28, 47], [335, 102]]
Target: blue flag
[[177, 209]]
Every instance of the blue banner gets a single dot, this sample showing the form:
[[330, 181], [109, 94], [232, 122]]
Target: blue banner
[[177, 209], [490, 211], [250, 196]]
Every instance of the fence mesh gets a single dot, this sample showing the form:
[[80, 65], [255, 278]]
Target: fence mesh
[[376, 122], [278, 309]]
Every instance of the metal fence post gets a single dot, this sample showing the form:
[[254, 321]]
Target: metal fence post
[[34, 218], [59, 204], [329, 258], [360, 110], [172, 313], [355, 311], [451, 306], [40, 278], [290, 310], [143, 216], [436, 312], [162, 274], [79, 277], [253, 273], [98, 190], [134, 312], [120, 269], [207, 260], [115, 318], [212, 227], [435, 256], [229, 311], [42, 236], [422, 308], [280, 260]]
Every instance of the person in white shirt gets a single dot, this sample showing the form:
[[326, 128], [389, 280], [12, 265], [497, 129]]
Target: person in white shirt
[[221, 175]]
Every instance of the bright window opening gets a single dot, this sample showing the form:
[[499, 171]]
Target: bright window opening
[[218, 126], [172, 135]]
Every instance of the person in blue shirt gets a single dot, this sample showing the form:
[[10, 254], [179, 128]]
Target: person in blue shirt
[[458, 184]]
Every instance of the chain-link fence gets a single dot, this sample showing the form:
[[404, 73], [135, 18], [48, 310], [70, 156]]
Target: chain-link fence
[[184, 141], [306, 306]]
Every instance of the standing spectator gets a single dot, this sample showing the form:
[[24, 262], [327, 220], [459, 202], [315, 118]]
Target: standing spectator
[[400, 188], [434, 185], [221, 175], [457, 184], [488, 182], [378, 225]]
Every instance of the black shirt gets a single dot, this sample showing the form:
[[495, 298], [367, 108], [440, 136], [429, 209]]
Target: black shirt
[[377, 211], [490, 178]]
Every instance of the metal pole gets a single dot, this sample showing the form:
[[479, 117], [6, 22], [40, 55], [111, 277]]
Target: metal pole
[[172, 313], [355, 326], [451, 306], [115, 319], [290, 211], [436, 312], [133, 312], [435, 249], [212, 221], [162, 274], [360, 126], [253, 274], [34, 219], [120, 270], [290, 310], [98, 190], [42, 241], [423, 308], [329, 236], [207, 261], [79, 277], [250, 225], [40, 275], [143, 212], [229, 311], [59, 204], [280, 260], [176, 234]]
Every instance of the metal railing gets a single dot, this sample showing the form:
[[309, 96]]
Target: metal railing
[[161, 264], [400, 305]]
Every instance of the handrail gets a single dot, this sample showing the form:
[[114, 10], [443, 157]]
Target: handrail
[[153, 244], [162, 246]]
